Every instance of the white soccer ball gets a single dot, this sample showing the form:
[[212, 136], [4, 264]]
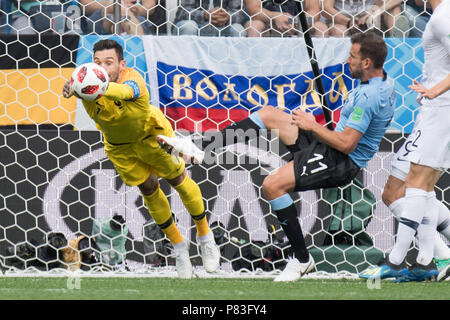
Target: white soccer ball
[[89, 81]]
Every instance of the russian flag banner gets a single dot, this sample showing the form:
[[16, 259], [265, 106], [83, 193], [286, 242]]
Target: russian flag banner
[[206, 83]]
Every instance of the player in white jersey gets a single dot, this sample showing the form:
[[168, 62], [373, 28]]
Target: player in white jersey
[[425, 154]]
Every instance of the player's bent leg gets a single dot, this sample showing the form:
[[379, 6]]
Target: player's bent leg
[[393, 197], [159, 208], [394, 190], [276, 187], [276, 119], [415, 207], [422, 177], [191, 197]]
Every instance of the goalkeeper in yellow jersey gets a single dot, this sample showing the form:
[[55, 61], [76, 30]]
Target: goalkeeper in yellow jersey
[[130, 125]]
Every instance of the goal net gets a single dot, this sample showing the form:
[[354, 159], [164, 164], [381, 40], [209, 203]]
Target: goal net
[[58, 188]]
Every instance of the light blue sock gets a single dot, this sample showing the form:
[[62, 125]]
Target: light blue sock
[[281, 202], [257, 119]]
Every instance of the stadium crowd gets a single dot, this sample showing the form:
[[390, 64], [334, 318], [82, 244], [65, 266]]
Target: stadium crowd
[[237, 18]]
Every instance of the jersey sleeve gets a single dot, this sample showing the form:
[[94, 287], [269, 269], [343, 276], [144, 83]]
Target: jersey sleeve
[[136, 82], [130, 89], [362, 113], [119, 91]]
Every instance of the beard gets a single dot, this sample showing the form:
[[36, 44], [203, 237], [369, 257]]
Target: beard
[[356, 73]]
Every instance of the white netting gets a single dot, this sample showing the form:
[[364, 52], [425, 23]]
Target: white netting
[[55, 176]]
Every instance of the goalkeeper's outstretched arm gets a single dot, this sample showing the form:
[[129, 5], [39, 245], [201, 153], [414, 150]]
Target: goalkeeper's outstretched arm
[[115, 91]]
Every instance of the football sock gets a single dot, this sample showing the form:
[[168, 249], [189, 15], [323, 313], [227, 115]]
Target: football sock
[[414, 208], [427, 234], [159, 208], [287, 216], [441, 250], [397, 207], [191, 197], [171, 231], [238, 131]]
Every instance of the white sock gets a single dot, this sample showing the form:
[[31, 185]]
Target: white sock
[[427, 233], [441, 250], [207, 237], [397, 207], [414, 208], [181, 245], [443, 226]]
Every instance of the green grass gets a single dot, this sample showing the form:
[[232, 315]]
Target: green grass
[[40, 288]]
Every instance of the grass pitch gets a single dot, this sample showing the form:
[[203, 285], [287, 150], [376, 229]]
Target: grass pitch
[[59, 288]]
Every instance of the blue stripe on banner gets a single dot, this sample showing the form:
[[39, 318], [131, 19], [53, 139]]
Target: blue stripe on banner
[[198, 88], [282, 202]]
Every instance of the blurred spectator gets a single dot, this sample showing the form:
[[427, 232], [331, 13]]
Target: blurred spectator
[[3, 18], [418, 13], [347, 16], [134, 19], [210, 18], [283, 19], [31, 17], [19, 18]]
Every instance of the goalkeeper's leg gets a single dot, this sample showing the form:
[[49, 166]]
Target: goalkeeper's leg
[[159, 208], [191, 197]]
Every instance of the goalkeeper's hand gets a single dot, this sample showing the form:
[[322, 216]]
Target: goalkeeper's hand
[[67, 90]]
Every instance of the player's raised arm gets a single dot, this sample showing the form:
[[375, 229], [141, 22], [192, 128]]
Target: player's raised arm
[[120, 91], [344, 141], [433, 92]]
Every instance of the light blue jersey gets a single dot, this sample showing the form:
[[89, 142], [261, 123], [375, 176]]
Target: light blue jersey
[[368, 109]]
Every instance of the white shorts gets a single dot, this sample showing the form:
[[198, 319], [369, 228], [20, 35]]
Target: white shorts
[[428, 144]]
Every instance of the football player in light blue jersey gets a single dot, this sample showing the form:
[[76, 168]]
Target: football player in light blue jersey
[[322, 158], [368, 110]]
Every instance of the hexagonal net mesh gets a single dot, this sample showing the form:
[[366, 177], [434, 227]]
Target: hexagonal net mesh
[[205, 68]]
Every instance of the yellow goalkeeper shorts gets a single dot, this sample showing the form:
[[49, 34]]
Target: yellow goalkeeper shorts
[[136, 161]]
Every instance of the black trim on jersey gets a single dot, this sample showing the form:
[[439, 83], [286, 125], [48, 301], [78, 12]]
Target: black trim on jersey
[[384, 78]]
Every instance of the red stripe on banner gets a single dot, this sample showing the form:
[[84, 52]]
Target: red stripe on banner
[[202, 119]]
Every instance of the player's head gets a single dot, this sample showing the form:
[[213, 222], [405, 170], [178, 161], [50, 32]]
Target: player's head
[[367, 53], [109, 54]]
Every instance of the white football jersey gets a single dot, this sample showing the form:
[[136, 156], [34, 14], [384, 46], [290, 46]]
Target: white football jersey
[[436, 46]]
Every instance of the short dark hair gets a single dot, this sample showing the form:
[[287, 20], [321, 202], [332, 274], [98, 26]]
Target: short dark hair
[[372, 47], [109, 44]]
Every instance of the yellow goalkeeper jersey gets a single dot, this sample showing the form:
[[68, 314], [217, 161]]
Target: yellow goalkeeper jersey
[[124, 113]]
